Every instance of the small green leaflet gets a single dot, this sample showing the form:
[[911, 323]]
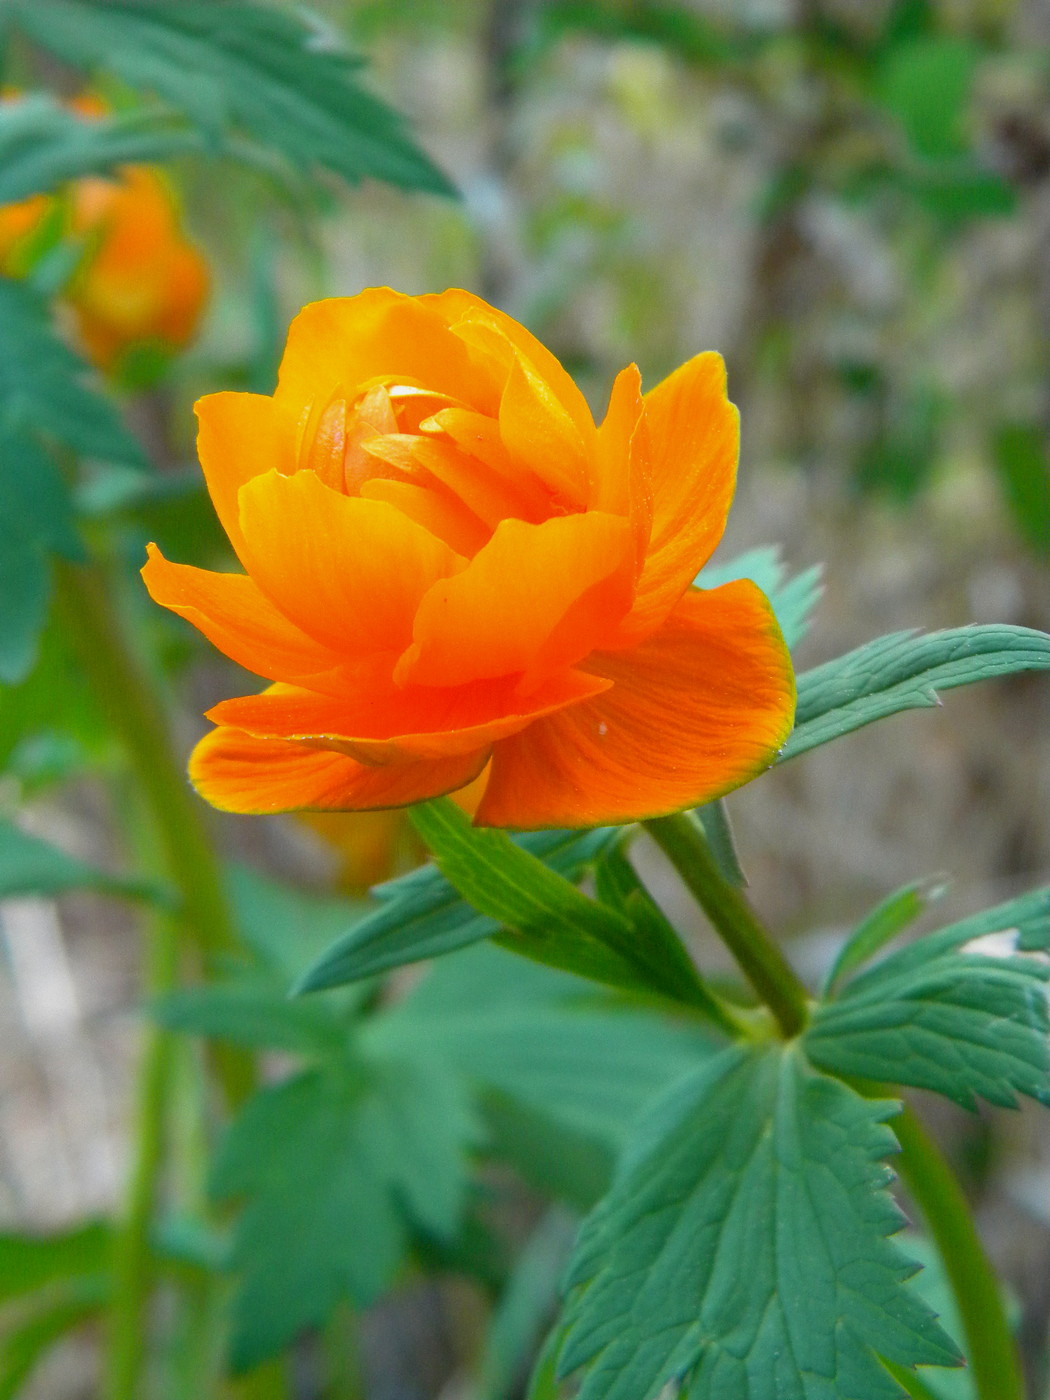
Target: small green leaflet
[[31, 866], [793, 597], [338, 1165], [422, 915], [546, 917], [884, 922], [964, 1024], [904, 671], [238, 70], [743, 1249], [42, 144]]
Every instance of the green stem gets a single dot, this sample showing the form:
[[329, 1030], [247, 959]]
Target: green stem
[[990, 1347], [132, 1257], [682, 840], [184, 852]]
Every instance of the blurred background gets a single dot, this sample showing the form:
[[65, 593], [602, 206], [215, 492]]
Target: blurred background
[[851, 201]]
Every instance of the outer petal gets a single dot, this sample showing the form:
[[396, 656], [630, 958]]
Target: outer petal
[[241, 436], [348, 571], [387, 727], [694, 435], [696, 710], [350, 341], [497, 617], [239, 619], [237, 773]]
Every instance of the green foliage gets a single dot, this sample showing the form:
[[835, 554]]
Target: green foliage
[[1019, 453], [42, 144], [939, 1017], [793, 596], [926, 83], [904, 671], [544, 916], [254, 72], [31, 866], [884, 922], [338, 1164], [743, 1247], [422, 915], [31, 1262], [44, 403]]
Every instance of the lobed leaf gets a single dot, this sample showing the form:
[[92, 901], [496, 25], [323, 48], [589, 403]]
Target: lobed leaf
[[904, 671], [963, 1024], [232, 67], [743, 1247], [339, 1164]]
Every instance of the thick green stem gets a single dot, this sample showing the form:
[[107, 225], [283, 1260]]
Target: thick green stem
[[682, 840], [185, 855], [990, 1347]]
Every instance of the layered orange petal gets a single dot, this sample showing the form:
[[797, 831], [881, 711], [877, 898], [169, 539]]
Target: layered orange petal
[[497, 617], [241, 436], [694, 432], [376, 335], [238, 773], [623, 477], [472, 320], [694, 711], [240, 620], [541, 438], [378, 728], [347, 570]]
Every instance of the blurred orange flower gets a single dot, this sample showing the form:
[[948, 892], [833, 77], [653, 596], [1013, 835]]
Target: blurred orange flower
[[449, 565], [141, 281]]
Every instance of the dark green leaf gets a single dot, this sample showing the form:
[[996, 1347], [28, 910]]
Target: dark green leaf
[[904, 671], [286, 927], [339, 1164], [938, 1017], [545, 917], [1019, 451], [743, 1247], [255, 1015], [42, 144], [422, 915], [884, 922], [31, 866], [237, 68], [793, 596]]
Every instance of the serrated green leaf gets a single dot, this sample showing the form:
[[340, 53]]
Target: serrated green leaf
[[544, 916], [29, 865], [743, 1247], [963, 1024], [339, 1164], [874, 931], [43, 144], [904, 671], [255, 71], [422, 915], [793, 597]]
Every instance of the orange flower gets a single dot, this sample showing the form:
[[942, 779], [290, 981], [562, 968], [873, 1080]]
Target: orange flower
[[141, 280], [450, 566]]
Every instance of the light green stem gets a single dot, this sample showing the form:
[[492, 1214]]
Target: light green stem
[[682, 840], [129, 702], [990, 1348]]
